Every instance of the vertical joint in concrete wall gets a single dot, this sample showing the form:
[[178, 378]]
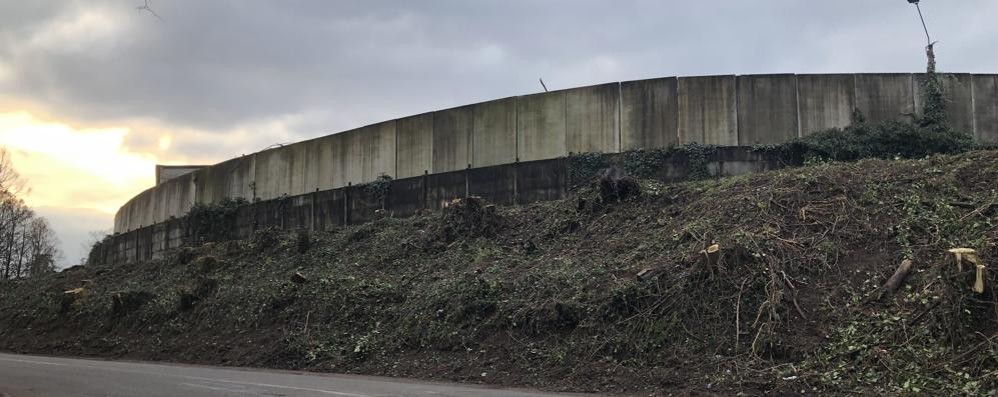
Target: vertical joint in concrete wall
[[346, 203], [855, 95], [425, 187], [311, 221], [800, 132], [738, 120], [516, 128], [620, 117], [516, 181], [973, 109]]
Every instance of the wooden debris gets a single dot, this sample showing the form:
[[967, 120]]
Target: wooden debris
[[969, 255], [897, 279], [979, 282], [961, 254], [712, 254], [649, 273]]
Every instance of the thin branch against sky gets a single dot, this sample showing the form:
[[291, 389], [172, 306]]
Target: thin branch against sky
[[145, 7]]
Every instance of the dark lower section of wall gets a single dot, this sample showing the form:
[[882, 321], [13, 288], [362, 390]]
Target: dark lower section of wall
[[508, 184]]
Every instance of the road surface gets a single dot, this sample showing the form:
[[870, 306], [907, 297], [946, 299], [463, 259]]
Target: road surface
[[32, 376]]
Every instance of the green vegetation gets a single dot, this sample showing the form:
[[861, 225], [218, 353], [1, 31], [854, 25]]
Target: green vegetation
[[567, 295], [212, 222], [643, 163], [379, 187], [891, 139]]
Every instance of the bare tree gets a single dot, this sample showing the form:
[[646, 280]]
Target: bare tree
[[28, 245], [93, 237], [42, 252]]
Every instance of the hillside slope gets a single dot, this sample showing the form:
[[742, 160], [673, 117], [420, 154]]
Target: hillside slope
[[550, 295]]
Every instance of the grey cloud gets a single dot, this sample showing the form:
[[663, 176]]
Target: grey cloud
[[231, 77], [221, 65]]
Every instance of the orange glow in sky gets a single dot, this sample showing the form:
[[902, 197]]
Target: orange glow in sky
[[68, 167]]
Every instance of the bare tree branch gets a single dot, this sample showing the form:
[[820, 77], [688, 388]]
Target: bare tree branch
[[145, 7]]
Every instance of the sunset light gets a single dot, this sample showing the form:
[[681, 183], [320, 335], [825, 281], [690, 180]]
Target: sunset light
[[78, 168]]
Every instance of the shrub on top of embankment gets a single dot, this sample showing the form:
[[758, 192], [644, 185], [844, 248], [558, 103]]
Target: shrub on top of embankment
[[764, 283], [861, 140], [212, 222]]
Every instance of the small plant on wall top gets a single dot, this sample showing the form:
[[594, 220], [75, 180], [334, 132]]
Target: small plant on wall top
[[697, 157], [583, 166], [379, 187], [642, 163], [212, 222]]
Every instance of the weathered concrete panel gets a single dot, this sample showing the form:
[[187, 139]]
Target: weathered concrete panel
[[204, 186], [885, 96], [363, 154], [130, 213], [406, 196], [767, 109], [958, 92], [540, 126], [120, 223], [273, 173], [146, 206], [340, 160], [452, 129], [649, 114], [297, 156], [240, 176], [159, 203], [320, 153], [707, 110], [362, 205], [825, 101], [593, 119], [141, 210], [167, 172], [496, 184], [415, 145], [181, 195], [493, 139], [444, 187], [541, 180], [986, 108], [229, 179], [330, 209], [123, 223]]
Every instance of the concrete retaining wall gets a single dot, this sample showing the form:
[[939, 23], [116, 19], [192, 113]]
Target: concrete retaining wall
[[707, 110], [540, 126], [645, 114], [825, 101], [767, 109], [649, 114], [986, 107], [514, 183]]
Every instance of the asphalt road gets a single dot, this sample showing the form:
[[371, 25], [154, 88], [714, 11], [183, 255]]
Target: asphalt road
[[32, 376]]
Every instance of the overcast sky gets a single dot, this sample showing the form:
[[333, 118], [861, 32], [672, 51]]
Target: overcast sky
[[94, 93]]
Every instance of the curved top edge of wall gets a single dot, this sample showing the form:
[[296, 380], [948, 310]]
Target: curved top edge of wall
[[123, 221]]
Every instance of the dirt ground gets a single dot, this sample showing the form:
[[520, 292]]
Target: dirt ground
[[766, 284]]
